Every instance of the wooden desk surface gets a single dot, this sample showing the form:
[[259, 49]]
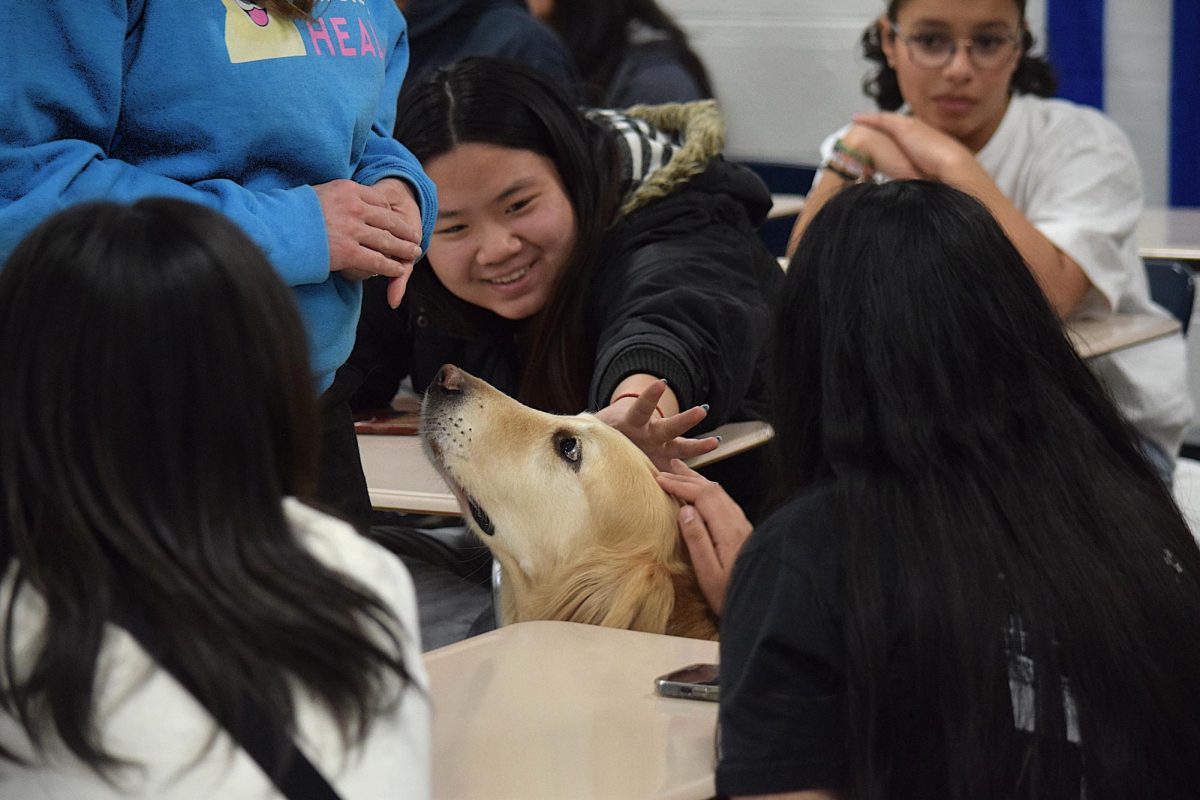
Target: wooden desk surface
[[785, 205], [1093, 337], [401, 478], [1169, 233], [564, 711]]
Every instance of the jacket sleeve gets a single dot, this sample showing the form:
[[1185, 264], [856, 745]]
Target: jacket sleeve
[[688, 304], [384, 157], [61, 94], [382, 352]]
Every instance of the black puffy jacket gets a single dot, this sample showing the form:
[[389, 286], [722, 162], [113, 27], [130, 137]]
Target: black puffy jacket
[[684, 293]]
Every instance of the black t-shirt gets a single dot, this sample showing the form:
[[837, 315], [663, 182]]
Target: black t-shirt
[[783, 712], [783, 718]]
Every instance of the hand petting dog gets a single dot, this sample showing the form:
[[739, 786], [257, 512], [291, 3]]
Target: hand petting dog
[[646, 411], [713, 527]]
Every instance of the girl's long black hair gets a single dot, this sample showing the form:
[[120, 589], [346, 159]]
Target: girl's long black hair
[[1034, 74], [503, 103], [994, 505], [595, 32], [156, 406]]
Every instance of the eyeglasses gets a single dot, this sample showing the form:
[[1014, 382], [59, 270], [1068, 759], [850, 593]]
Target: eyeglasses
[[987, 51]]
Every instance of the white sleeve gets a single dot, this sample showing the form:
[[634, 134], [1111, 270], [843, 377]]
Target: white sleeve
[[1087, 199], [827, 151]]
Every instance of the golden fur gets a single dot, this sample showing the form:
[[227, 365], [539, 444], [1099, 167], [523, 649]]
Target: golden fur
[[592, 539]]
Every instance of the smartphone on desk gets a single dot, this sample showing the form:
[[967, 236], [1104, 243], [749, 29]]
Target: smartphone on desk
[[693, 682]]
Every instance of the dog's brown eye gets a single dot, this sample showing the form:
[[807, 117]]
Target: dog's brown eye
[[569, 448]]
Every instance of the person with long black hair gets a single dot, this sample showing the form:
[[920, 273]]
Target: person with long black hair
[[578, 260], [974, 585], [964, 100], [628, 52], [170, 608]]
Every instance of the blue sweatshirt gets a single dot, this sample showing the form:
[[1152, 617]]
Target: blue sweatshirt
[[212, 101]]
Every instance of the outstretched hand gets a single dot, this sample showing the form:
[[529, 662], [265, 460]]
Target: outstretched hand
[[661, 439], [713, 527]]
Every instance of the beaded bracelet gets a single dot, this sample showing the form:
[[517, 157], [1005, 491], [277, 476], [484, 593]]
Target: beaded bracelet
[[862, 158], [848, 167], [635, 395]]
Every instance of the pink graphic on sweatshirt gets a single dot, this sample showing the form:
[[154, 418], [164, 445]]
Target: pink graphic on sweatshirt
[[257, 14], [337, 38]]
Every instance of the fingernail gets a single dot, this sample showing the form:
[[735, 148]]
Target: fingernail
[[704, 406], [718, 438], [687, 514]]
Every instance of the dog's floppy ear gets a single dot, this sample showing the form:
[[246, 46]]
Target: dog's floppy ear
[[613, 590]]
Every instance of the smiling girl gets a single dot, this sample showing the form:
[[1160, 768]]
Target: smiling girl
[[964, 103], [579, 259]]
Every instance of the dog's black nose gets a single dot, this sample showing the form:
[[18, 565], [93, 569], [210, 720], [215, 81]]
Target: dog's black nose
[[449, 379]]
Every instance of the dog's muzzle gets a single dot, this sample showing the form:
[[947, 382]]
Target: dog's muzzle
[[448, 388]]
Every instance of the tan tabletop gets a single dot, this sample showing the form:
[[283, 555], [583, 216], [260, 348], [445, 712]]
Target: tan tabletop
[[564, 711], [1169, 233], [401, 478], [785, 205], [1093, 337]]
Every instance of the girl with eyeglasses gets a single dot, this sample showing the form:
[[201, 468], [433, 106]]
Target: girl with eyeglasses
[[963, 102]]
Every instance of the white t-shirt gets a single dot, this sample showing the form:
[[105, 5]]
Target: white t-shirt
[[1072, 172], [144, 714]]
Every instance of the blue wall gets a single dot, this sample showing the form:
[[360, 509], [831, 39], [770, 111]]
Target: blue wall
[[1075, 32]]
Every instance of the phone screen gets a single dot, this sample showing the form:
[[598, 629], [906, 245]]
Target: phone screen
[[704, 674]]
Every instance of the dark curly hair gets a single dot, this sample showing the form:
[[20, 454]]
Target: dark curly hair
[[1034, 75]]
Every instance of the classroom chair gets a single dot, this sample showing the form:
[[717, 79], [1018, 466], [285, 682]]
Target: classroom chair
[[786, 179], [1172, 286]]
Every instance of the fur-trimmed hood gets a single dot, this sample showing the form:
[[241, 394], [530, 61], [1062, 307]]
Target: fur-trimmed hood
[[662, 147]]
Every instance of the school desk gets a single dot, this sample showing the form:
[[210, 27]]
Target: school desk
[[556, 710], [1169, 233], [1097, 337], [400, 476], [785, 205]]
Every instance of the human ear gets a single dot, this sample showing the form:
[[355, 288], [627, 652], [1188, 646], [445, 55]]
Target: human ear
[[887, 40]]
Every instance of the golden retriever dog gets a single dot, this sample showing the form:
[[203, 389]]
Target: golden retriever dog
[[570, 509]]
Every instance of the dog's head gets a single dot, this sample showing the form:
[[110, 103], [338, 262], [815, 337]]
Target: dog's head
[[568, 506]]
